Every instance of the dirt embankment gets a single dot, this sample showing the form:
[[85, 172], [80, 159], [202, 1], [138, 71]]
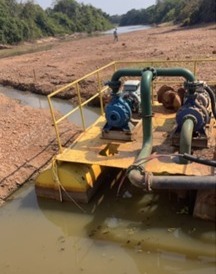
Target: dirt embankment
[[27, 137], [27, 142], [66, 61]]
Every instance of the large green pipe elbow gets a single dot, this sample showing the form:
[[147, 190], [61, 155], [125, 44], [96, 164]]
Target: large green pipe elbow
[[169, 72], [146, 150], [134, 174], [126, 72], [122, 73], [176, 72], [186, 138]]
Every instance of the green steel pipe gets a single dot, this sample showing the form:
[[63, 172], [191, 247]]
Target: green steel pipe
[[176, 72], [146, 107], [169, 72], [149, 182], [126, 72], [147, 77], [184, 182], [122, 73], [186, 138]]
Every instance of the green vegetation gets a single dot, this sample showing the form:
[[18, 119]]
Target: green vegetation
[[28, 21], [183, 12]]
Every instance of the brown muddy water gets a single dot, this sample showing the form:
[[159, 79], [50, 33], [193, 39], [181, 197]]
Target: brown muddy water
[[132, 234], [40, 102]]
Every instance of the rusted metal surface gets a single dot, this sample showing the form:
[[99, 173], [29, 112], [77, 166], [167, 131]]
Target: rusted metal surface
[[170, 98], [90, 148], [129, 135], [205, 205]]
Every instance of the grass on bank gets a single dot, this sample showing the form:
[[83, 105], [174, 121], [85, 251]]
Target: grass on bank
[[24, 49]]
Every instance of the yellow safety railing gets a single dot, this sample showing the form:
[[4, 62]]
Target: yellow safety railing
[[197, 66], [76, 84]]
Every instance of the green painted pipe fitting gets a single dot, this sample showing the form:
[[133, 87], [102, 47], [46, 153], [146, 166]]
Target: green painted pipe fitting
[[186, 138], [176, 72], [147, 77]]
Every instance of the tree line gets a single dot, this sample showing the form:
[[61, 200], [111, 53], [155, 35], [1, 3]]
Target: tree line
[[28, 21], [181, 12]]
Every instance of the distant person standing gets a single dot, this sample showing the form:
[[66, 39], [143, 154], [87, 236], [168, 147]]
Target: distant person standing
[[115, 34]]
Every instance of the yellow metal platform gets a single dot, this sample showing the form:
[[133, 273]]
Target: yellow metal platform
[[91, 148]]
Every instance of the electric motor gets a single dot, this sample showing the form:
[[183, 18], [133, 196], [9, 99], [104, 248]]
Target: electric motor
[[133, 101]]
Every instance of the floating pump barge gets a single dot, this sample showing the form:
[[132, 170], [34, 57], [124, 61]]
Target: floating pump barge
[[157, 140]]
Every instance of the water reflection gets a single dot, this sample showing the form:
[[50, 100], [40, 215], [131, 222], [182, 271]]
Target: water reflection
[[135, 234]]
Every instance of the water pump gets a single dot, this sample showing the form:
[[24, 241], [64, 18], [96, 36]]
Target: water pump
[[198, 105], [124, 104], [118, 114]]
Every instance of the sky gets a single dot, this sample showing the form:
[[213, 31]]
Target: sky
[[111, 7]]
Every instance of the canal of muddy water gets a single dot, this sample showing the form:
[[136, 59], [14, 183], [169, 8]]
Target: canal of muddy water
[[40, 101], [136, 232]]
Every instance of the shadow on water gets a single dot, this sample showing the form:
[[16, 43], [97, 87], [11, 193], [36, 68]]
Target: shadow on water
[[135, 214], [133, 209], [133, 232]]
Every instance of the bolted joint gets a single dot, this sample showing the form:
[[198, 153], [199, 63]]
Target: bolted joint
[[153, 70], [192, 117], [192, 87], [114, 85], [140, 178]]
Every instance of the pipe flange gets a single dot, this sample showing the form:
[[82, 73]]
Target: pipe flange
[[148, 181], [114, 85], [135, 167], [192, 117], [147, 176], [153, 70], [193, 86], [150, 115]]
